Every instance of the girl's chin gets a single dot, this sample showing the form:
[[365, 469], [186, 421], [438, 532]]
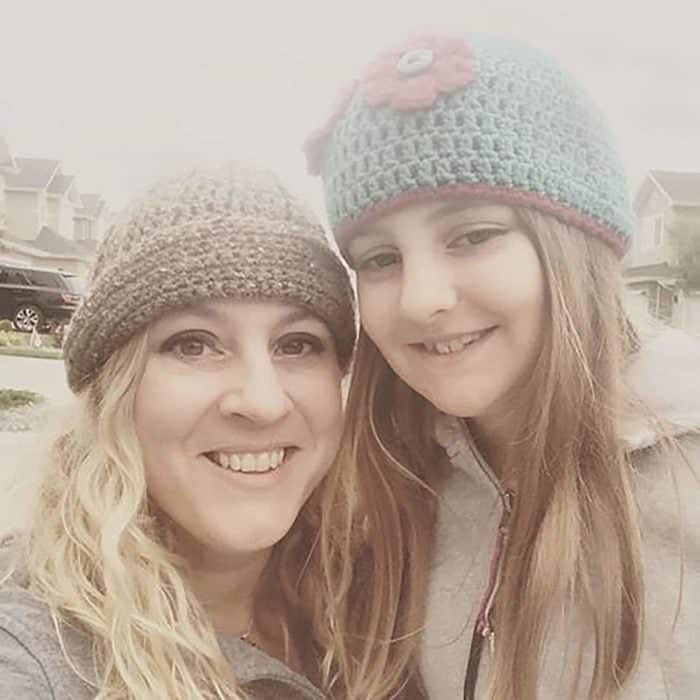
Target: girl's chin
[[454, 405]]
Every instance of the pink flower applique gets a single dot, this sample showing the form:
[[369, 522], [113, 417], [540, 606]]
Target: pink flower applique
[[413, 75], [316, 140]]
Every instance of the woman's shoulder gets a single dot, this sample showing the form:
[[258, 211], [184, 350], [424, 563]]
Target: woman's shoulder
[[262, 675], [32, 660]]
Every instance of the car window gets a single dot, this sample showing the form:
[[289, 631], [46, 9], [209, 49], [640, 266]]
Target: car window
[[41, 278], [16, 277]]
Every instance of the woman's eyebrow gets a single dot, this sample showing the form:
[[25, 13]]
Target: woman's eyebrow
[[294, 315]]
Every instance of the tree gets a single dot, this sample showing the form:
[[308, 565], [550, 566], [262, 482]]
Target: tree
[[684, 228]]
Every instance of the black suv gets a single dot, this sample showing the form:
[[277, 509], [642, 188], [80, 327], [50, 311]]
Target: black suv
[[37, 298]]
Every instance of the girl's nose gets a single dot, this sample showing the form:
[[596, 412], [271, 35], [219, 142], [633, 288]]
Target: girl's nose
[[427, 290]]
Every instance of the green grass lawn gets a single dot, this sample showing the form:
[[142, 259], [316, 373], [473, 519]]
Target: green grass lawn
[[50, 353], [14, 398]]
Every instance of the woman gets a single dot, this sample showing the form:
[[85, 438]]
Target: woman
[[475, 191], [171, 552]]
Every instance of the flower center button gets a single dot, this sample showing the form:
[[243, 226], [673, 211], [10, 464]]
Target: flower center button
[[415, 61]]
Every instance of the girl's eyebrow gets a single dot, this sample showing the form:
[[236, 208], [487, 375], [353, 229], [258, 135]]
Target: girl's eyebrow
[[356, 236], [493, 212]]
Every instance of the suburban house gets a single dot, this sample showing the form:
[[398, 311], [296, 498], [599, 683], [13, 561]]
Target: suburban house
[[47, 222], [25, 196], [651, 265], [7, 166], [91, 219], [63, 201]]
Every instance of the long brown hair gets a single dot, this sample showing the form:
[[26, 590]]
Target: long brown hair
[[574, 542]]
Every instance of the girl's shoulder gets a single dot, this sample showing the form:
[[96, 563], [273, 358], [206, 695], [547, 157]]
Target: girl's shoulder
[[663, 382]]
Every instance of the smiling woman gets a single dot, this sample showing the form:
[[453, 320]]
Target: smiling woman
[[172, 549]]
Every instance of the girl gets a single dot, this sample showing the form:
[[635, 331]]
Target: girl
[[475, 191], [171, 552]]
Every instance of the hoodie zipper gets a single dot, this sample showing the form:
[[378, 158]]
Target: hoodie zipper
[[483, 629]]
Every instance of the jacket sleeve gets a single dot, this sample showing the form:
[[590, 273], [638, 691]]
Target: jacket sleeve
[[22, 677]]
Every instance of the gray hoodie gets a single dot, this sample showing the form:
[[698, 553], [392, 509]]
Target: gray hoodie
[[34, 667], [666, 375]]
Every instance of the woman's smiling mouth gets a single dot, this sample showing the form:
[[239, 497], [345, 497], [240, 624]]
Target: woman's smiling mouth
[[251, 462]]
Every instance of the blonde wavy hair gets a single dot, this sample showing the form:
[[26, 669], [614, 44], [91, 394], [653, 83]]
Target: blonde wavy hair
[[574, 540], [101, 559]]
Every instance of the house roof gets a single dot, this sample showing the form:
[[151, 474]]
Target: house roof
[[60, 183], [46, 248], [680, 187], [93, 204], [6, 159], [51, 242], [34, 173]]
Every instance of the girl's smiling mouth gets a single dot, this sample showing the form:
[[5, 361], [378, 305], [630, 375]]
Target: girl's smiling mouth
[[453, 344]]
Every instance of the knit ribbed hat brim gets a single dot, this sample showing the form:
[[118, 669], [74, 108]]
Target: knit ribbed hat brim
[[207, 239]]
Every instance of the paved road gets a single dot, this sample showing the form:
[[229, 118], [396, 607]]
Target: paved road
[[19, 452], [46, 377]]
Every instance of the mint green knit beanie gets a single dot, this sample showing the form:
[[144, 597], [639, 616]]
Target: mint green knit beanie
[[441, 117]]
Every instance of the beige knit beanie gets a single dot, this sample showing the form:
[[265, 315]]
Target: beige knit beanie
[[229, 232]]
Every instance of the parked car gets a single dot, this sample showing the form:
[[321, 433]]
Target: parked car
[[34, 297]]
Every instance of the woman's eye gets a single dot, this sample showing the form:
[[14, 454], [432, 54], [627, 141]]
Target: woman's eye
[[379, 261], [298, 346], [475, 237], [191, 346]]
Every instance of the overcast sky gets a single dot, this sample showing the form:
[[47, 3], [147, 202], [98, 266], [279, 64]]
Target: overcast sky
[[123, 92]]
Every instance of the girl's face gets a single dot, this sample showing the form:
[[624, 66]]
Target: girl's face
[[239, 416], [453, 295]]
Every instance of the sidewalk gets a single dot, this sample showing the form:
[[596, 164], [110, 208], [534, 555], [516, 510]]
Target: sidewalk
[[18, 467], [20, 451]]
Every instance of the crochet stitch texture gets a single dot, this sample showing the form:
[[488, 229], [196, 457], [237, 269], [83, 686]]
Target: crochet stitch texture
[[521, 132], [231, 232]]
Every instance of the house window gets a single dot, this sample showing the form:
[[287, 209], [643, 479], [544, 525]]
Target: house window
[[658, 231], [661, 301]]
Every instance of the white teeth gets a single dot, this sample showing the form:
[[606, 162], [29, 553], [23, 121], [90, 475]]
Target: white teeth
[[250, 462], [442, 348], [455, 345]]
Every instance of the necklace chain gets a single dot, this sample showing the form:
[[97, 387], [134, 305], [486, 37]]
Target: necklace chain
[[245, 637]]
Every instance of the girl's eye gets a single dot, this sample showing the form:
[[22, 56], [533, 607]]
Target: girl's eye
[[379, 261], [476, 236], [191, 345], [298, 346]]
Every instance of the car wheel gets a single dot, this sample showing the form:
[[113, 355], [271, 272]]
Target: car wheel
[[27, 317]]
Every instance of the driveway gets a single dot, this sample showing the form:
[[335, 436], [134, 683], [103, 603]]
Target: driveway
[[20, 451], [46, 377]]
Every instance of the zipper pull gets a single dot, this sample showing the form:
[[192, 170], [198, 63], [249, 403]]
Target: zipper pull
[[492, 643]]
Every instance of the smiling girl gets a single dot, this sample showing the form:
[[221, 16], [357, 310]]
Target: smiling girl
[[171, 552], [474, 189]]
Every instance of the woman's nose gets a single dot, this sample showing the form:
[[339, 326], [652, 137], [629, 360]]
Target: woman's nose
[[257, 393]]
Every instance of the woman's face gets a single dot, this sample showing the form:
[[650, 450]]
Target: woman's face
[[453, 295], [239, 416]]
